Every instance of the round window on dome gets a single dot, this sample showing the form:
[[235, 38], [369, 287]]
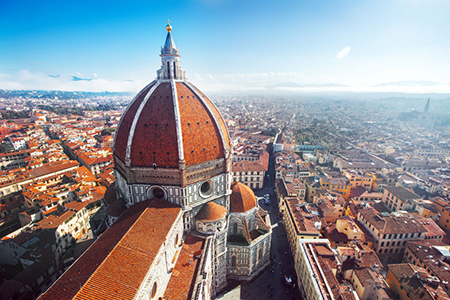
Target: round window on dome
[[207, 188], [156, 192]]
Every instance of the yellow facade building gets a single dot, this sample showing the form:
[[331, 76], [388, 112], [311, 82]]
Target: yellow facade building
[[340, 185]]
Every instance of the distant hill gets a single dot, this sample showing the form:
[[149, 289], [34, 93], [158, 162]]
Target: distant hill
[[410, 83], [297, 85], [57, 94]]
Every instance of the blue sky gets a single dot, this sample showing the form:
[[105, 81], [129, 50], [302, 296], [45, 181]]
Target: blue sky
[[227, 45]]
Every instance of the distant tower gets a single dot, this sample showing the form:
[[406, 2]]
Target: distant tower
[[427, 106], [424, 118]]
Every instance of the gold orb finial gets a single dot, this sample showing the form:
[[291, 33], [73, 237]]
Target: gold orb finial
[[168, 27]]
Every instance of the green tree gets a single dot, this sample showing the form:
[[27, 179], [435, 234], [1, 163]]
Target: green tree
[[6, 147], [108, 131]]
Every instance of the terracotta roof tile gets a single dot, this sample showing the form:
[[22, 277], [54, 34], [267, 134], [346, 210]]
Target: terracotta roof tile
[[122, 272], [211, 212], [201, 136], [183, 277], [242, 198], [123, 129], [218, 116], [155, 137], [120, 255]]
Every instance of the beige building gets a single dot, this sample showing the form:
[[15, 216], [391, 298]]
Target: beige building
[[346, 231], [316, 266], [433, 257], [248, 173], [391, 232], [410, 282], [332, 207], [361, 267], [299, 222], [399, 198]]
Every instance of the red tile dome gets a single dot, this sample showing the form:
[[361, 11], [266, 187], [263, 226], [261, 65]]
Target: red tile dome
[[167, 122], [211, 212], [170, 124], [242, 198]]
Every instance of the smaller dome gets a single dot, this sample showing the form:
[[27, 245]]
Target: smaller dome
[[211, 212], [242, 198]]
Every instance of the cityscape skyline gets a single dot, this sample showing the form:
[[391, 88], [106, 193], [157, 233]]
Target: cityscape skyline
[[385, 46]]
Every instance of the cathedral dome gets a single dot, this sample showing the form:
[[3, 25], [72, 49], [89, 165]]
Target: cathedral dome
[[211, 212], [170, 124], [242, 198]]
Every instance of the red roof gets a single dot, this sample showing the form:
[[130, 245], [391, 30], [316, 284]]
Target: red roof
[[155, 140], [211, 212], [116, 264], [182, 281], [242, 198], [123, 129]]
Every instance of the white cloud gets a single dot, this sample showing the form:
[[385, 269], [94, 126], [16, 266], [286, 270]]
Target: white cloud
[[343, 53], [269, 82], [27, 80], [298, 82]]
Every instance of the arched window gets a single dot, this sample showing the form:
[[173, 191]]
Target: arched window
[[174, 71], [233, 261], [154, 290], [168, 70], [260, 253], [158, 193]]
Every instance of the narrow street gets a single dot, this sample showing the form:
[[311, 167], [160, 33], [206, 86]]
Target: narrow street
[[271, 284]]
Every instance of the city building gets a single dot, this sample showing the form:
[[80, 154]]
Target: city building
[[345, 231], [399, 198], [340, 185], [361, 267], [316, 266], [391, 232], [249, 173], [432, 256], [410, 282]]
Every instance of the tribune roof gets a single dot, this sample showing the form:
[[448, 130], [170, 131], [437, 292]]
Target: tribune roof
[[116, 264], [242, 198]]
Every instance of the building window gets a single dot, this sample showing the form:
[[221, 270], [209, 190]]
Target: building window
[[235, 228], [207, 188], [233, 261], [154, 290], [156, 192]]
